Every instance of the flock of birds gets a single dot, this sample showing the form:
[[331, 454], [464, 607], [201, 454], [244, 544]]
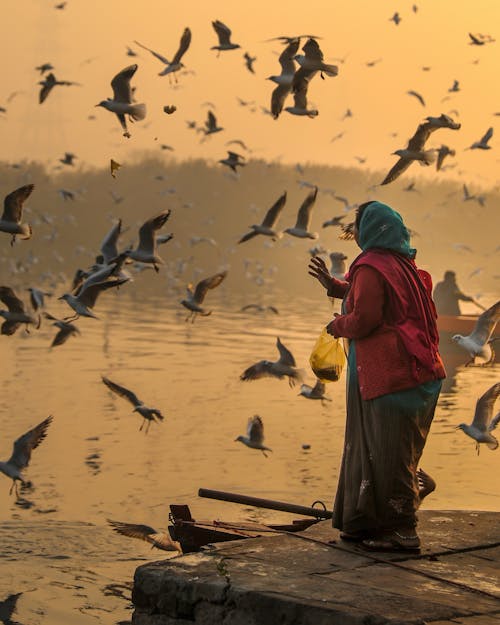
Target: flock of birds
[[109, 270]]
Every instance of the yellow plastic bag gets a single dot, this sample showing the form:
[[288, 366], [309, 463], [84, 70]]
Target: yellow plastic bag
[[327, 358]]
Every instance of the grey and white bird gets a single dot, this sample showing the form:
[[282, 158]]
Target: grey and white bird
[[49, 83], [173, 66], [211, 126], [44, 67], [285, 366], [160, 540], [233, 160], [85, 299], [314, 392], [249, 61], [415, 148], [68, 159], [336, 220], [21, 453], [482, 144], [301, 228], [484, 423], [300, 101], [477, 343], [442, 153], [37, 298], [12, 215], [16, 314], [311, 62], [267, 227], [148, 414], [195, 297], [468, 196], [224, 35], [479, 40], [146, 251], [65, 330], [122, 103], [255, 435], [285, 79], [338, 265]]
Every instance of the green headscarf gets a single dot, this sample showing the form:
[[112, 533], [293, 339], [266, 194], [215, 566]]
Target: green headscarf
[[382, 227]]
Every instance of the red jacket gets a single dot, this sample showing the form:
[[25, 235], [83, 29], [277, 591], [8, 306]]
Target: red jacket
[[391, 316]]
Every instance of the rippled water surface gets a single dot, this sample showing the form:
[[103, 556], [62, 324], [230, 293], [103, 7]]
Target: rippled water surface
[[56, 551]]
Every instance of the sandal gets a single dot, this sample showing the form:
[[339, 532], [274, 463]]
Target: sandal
[[393, 541]]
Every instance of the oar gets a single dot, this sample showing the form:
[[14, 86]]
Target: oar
[[478, 304]]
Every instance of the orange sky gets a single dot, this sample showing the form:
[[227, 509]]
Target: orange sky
[[86, 43]]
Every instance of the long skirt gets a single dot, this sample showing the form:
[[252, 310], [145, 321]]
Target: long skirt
[[384, 439]]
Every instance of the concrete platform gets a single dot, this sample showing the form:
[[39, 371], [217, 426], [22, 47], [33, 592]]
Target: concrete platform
[[303, 580]]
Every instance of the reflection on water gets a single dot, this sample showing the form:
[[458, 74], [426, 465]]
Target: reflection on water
[[96, 464]]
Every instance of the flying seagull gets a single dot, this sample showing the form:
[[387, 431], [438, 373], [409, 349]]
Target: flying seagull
[[477, 343], [417, 95], [148, 414], [175, 65], [284, 366], [49, 83], [12, 215], [314, 392], [68, 158], [146, 251], [483, 424], [301, 228], [85, 299], [482, 144], [16, 313], [37, 298], [255, 435], [122, 102], [311, 62], [210, 125], [269, 222], [21, 453], [224, 36], [233, 160], [66, 330], [415, 148], [249, 61], [300, 100], [480, 40], [285, 79], [195, 298], [442, 153], [160, 540]]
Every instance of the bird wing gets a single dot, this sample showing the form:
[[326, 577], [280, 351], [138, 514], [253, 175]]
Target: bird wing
[[286, 356], [122, 392], [255, 372], [211, 122], [47, 85], [494, 422], [417, 142], [484, 407], [300, 89], [305, 210], [155, 54], [25, 444], [120, 84], [255, 429], [286, 58], [274, 212], [108, 247], [475, 40], [10, 299], [485, 324], [278, 98], [65, 331], [88, 296], [401, 165], [248, 236], [148, 229], [223, 32], [417, 95], [161, 540], [183, 46], [487, 136], [208, 283], [13, 203], [312, 50], [9, 328]]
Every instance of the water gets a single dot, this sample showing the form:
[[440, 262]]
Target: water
[[55, 546]]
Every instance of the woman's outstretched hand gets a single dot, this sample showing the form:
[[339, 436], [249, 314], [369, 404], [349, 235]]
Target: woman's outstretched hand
[[317, 269]]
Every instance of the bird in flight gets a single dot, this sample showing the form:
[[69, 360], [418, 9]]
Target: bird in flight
[[484, 423], [269, 222], [160, 540], [148, 414], [16, 313], [233, 160], [301, 228], [285, 79], [171, 67], [194, 298], [146, 251], [285, 366], [314, 392], [224, 35], [49, 83], [255, 435], [482, 144], [12, 215], [477, 343]]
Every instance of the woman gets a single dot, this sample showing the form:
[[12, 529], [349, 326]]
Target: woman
[[393, 382]]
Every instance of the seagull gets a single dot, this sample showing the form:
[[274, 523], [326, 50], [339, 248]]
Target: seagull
[[338, 268], [122, 103], [12, 215], [86, 297], [477, 343], [114, 166], [195, 298], [300, 101], [21, 453], [480, 199], [49, 83], [417, 95], [267, 226], [66, 330], [255, 435], [314, 392], [224, 35], [130, 52], [482, 144], [442, 153], [483, 424], [312, 62], [480, 40], [415, 148], [148, 414], [249, 61], [109, 249], [259, 308], [304, 215], [175, 65], [44, 67], [232, 160], [146, 251], [334, 221], [68, 158], [396, 18], [66, 194], [210, 125], [285, 79], [16, 314], [160, 540], [37, 298], [284, 366]]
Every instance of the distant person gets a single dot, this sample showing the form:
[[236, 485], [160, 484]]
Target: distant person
[[447, 295]]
